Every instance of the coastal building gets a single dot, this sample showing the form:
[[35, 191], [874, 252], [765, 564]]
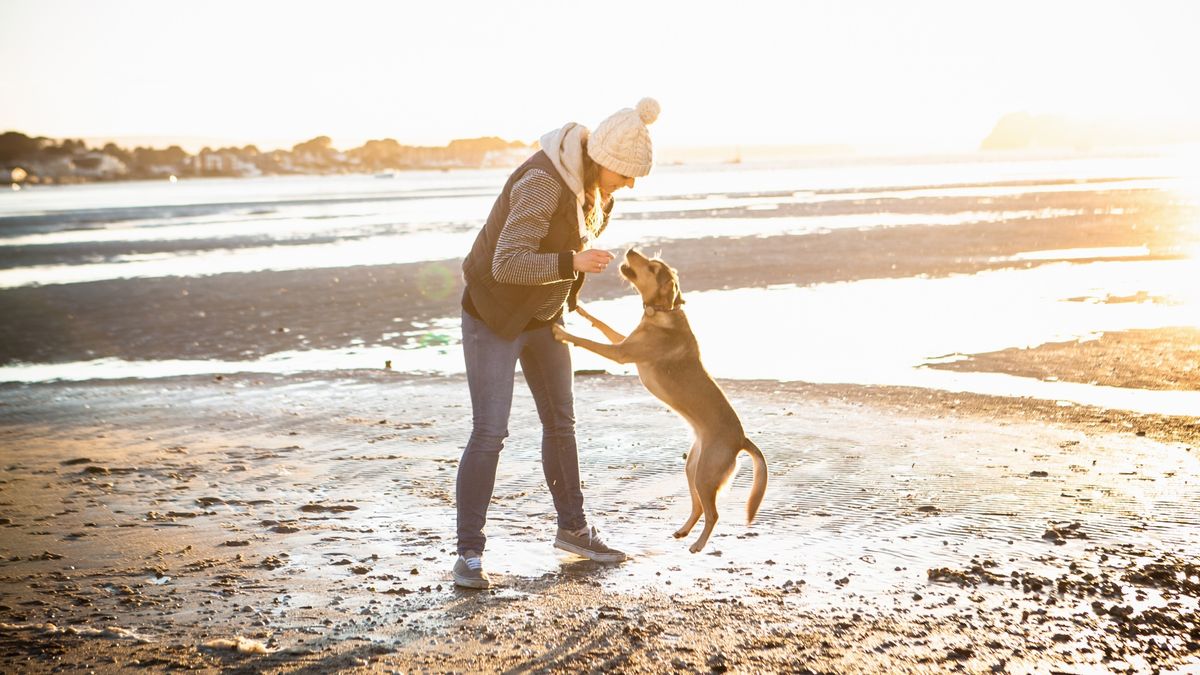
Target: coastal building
[[97, 165], [223, 163]]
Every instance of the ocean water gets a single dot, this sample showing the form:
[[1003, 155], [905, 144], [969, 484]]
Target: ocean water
[[873, 331]]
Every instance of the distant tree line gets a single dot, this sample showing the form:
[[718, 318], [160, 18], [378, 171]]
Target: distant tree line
[[32, 160]]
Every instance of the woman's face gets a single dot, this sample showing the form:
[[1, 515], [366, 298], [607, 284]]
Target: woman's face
[[611, 181]]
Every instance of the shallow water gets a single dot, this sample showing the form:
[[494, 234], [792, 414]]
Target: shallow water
[[666, 181], [95, 198], [872, 332], [885, 331], [428, 245], [382, 250], [309, 222], [647, 205]]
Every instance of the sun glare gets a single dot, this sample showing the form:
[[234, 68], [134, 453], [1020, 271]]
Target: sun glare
[[1189, 178]]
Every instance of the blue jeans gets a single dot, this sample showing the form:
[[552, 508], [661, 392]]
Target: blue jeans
[[491, 362]]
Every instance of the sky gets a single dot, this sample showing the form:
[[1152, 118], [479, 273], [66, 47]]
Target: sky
[[922, 74]]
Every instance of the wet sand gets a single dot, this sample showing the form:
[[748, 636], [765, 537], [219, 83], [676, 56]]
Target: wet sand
[[1164, 358], [305, 524]]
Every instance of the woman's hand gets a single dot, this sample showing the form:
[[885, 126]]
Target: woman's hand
[[593, 260]]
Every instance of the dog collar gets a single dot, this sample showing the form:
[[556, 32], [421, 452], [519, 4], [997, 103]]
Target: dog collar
[[651, 309]]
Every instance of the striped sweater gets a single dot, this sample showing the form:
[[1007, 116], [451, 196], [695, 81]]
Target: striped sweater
[[533, 200]]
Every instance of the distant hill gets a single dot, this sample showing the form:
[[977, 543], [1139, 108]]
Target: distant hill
[[1023, 131]]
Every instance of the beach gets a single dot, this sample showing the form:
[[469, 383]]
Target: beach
[[230, 423]]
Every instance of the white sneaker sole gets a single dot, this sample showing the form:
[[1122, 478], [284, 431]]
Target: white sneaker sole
[[590, 555]]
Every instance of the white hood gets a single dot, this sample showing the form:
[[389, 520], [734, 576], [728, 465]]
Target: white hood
[[564, 147]]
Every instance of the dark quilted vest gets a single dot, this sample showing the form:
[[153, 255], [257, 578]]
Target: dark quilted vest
[[508, 308]]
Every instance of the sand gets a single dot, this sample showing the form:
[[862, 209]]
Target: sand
[[298, 523], [1162, 358]]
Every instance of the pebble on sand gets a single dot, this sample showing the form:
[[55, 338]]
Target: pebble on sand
[[239, 644]]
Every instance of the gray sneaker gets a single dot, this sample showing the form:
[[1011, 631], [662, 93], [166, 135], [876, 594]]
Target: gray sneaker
[[468, 571], [588, 545]]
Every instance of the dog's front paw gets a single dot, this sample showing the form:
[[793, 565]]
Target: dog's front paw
[[681, 533], [695, 548], [560, 334]]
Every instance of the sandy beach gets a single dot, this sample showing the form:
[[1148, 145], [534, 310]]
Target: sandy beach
[[902, 533], [303, 522]]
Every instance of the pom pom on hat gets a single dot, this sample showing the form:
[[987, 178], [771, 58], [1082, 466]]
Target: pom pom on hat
[[648, 110], [621, 142]]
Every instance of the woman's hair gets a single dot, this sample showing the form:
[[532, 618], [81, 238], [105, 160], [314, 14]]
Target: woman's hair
[[591, 186]]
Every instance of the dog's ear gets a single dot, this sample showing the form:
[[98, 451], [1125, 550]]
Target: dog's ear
[[678, 300], [668, 287]]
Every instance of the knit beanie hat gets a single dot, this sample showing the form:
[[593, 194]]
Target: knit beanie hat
[[622, 143]]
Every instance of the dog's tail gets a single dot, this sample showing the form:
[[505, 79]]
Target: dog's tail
[[760, 479]]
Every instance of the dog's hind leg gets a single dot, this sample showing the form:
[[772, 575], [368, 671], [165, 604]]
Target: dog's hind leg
[[697, 510], [713, 471], [708, 501]]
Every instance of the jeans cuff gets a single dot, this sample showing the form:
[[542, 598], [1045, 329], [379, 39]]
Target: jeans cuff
[[576, 523]]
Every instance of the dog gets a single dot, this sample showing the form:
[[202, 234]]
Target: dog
[[667, 357]]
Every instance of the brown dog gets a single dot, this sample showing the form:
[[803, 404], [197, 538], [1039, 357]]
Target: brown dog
[[668, 363]]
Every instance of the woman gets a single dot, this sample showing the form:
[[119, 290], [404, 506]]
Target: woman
[[526, 266]]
